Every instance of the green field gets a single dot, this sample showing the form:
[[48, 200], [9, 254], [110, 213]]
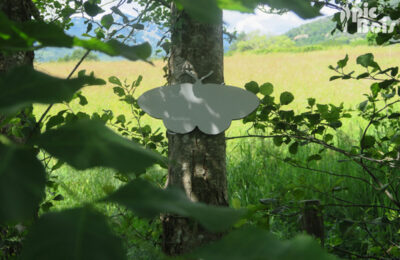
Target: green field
[[255, 167]]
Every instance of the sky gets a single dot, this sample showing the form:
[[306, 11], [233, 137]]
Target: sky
[[270, 24]]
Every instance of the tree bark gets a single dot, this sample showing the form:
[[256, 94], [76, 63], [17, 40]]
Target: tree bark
[[197, 161], [19, 11]]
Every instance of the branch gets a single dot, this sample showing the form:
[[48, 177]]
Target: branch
[[376, 241], [330, 173], [357, 255], [37, 126], [360, 206]]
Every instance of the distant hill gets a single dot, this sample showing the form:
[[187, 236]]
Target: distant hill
[[150, 34], [314, 33], [319, 32]]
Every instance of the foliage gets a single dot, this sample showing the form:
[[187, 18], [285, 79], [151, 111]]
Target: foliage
[[319, 32], [233, 246], [376, 152], [312, 36], [24, 93], [86, 143], [254, 42], [139, 133]]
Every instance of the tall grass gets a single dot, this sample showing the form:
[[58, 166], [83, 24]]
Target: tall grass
[[255, 167]]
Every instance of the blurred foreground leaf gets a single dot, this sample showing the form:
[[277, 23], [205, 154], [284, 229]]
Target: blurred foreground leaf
[[71, 235], [148, 201], [23, 86], [85, 144], [256, 244], [22, 183], [35, 35], [208, 11]]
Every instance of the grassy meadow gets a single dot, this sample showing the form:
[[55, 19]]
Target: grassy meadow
[[255, 167]]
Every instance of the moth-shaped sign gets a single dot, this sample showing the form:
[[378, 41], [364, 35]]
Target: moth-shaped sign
[[209, 107]]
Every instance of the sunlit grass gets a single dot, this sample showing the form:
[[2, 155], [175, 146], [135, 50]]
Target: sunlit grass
[[304, 74], [252, 172]]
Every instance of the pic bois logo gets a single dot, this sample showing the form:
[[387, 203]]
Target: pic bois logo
[[366, 20]]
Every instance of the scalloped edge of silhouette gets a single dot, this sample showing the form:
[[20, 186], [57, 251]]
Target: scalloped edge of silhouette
[[209, 107]]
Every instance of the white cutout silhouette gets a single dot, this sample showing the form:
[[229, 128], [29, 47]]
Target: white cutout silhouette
[[210, 107]]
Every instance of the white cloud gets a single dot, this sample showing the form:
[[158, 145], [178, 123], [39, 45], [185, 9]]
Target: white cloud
[[266, 23], [151, 35], [131, 9]]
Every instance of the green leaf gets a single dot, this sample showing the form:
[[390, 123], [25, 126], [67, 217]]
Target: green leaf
[[252, 86], [311, 101], [208, 11], [115, 80], [138, 26], [293, 148], [343, 63], [74, 234], [322, 108], [22, 184], [375, 88], [363, 76], [368, 141], [59, 197], [92, 9], [367, 60], [119, 91], [335, 78], [363, 105], [278, 140], [85, 144], [286, 98], [145, 200], [328, 138], [57, 165], [313, 118], [117, 11], [82, 100], [136, 52], [267, 89], [394, 71], [34, 35], [37, 87], [315, 157], [386, 83], [254, 244], [335, 124], [107, 21], [205, 11], [137, 82], [121, 119], [54, 121]]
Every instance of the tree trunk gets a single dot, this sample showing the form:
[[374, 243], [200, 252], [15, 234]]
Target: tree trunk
[[197, 160], [19, 11]]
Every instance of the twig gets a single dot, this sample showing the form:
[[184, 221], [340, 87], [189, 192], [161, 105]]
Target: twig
[[360, 205], [376, 241], [37, 126], [357, 255]]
